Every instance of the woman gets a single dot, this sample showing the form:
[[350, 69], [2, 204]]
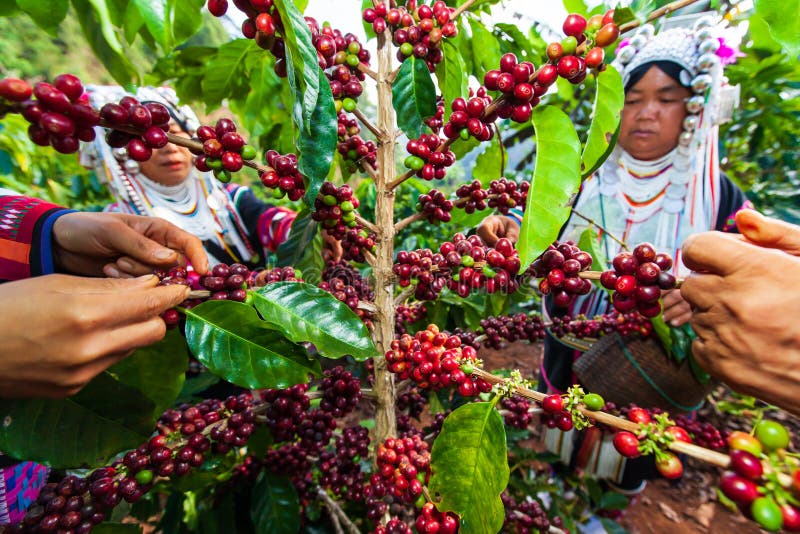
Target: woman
[[234, 225], [662, 182]]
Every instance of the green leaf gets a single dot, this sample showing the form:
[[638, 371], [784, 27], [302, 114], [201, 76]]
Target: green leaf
[[663, 333], [95, 20], [230, 339], [413, 96], [590, 243], [305, 313], [55, 431], [623, 15], [187, 18], [490, 163], [556, 180], [611, 500], [612, 527], [302, 63], [317, 142], [303, 249], [47, 14], [156, 18], [485, 48], [783, 18], [608, 102], [226, 72], [158, 371], [470, 467], [452, 75], [275, 507], [575, 6], [9, 9]]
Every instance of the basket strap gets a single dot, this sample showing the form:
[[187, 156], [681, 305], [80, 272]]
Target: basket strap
[[652, 382]]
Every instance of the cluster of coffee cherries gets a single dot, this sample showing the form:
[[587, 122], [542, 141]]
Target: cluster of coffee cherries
[[434, 360], [286, 410], [393, 526], [630, 445], [517, 412], [512, 80], [462, 265], [638, 279], [502, 195], [356, 242], [341, 391], [468, 117], [352, 146], [429, 157], [703, 433], [510, 328], [335, 208], [152, 119], [580, 327], [340, 469], [224, 150], [76, 504], [582, 48], [276, 274], [59, 115], [555, 415], [432, 520], [401, 463], [284, 178], [436, 121], [527, 516], [559, 268], [346, 284], [416, 30], [406, 315], [750, 480], [435, 206]]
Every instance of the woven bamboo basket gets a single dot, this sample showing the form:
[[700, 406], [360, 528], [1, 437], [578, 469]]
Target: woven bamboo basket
[[639, 371]]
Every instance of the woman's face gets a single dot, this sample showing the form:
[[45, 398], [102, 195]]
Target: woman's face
[[169, 165], [652, 119]]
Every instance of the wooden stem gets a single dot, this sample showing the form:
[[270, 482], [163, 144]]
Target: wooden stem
[[658, 13], [381, 136], [463, 7], [600, 227], [402, 178]]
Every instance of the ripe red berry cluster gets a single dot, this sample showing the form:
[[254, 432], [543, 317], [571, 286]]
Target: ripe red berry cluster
[[406, 315], [77, 504], [703, 433], [335, 208], [411, 402], [582, 48], [558, 267], [287, 408], [59, 115], [151, 118], [315, 430], [355, 242], [638, 279], [468, 117], [518, 414], [401, 463], [340, 469], [436, 122], [528, 516], [224, 150], [504, 328], [581, 327], [554, 415], [352, 146], [429, 158], [393, 526], [512, 80], [227, 282], [435, 205], [433, 360], [284, 178], [417, 31], [341, 392], [276, 274], [432, 520], [346, 284], [463, 265]]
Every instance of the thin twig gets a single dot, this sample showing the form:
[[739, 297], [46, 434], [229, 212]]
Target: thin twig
[[367, 166], [367, 224], [408, 220], [600, 227], [367, 306], [334, 507], [393, 75], [502, 151], [465, 6], [370, 257], [400, 179], [404, 295], [658, 13], [371, 127], [368, 71]]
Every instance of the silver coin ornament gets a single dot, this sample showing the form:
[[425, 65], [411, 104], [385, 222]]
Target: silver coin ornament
[[701, 83], [647, 30], [704, 22], [120, 154], [132, 166], [638, 41], [685, 138], [626, 54], [705, 34], [695, 104], [707, 62], [708, 47], [691, 122]]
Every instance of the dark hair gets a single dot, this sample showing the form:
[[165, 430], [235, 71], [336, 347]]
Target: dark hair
[[670, 68]]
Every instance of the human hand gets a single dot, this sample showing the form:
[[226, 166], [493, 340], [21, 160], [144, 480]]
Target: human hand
[[331, 248], [60, 331], [676, 310], [769, 233], [122, 245], [494, 227], [746, 306]]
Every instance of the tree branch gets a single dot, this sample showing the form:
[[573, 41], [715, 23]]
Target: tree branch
[[400, 179], [465, 6], [335, 509], [408, 220], [382, 136], [367, 224], [658, 13], [368, 71], [601, 228], [403, 296]]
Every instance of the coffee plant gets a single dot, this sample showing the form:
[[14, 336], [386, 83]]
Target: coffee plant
[[303, 391]]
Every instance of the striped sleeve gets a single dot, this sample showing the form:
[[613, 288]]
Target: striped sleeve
[[515, 214], [274, 226], [26, 247]]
